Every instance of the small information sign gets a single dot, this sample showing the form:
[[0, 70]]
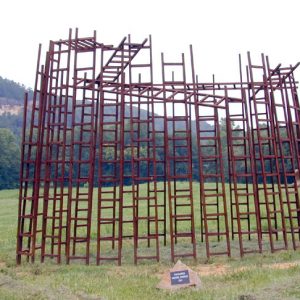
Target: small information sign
[[180, 277]]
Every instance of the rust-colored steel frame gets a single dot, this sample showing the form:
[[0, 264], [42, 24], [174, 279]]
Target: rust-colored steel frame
[[108, 155]]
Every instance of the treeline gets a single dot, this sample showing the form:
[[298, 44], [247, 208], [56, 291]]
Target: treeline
[[9, 159], [10, 140], [12, 92]]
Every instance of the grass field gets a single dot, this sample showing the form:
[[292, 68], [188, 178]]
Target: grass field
[[257, 276]]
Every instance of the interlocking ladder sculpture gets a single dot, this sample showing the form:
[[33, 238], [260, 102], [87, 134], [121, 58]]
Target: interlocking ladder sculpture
[[114, 162]]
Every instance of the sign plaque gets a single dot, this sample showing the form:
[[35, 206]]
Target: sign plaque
[[180, 277]]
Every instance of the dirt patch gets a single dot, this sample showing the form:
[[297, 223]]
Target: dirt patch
[[282, 266], [223, 269], [22, 274], [209, 270], [119, 272]]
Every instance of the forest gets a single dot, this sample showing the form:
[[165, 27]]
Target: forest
[[10, 140], [11, 93]]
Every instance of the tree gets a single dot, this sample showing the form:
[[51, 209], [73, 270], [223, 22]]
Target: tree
[[13, 90], [9, 160]]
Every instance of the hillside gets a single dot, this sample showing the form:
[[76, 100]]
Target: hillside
[[11, 121], [12, 92], [11, 97], [11, 107]]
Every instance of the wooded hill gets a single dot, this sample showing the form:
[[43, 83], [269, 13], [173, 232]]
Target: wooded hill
[[12, 93], [11, 128]]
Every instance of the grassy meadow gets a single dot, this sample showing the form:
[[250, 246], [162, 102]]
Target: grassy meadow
[[256, 276]]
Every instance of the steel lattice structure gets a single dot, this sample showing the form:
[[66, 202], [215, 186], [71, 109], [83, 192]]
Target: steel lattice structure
[[100, 128]]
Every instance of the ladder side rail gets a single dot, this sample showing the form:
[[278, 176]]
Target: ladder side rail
[[285, 187], [50, 127]]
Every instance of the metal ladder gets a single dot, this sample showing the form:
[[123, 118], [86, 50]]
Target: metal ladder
[[82, 153], [287, 163], [243, 190], [294, 124], [53, 125], [213, 202], [143, 160], [266, 158], [179, 163], [112, 134], [30, 201]]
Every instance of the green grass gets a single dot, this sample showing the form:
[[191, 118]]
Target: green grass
[[253, 277]]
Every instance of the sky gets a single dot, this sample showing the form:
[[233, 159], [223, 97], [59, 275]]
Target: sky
[[218, 30]]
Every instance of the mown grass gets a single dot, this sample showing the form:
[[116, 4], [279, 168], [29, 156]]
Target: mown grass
[[253, 277]]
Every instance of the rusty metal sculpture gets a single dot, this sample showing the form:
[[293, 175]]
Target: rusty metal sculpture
[[99, 123]]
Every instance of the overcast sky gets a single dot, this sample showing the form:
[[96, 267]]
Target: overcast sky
[[218, 30]]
